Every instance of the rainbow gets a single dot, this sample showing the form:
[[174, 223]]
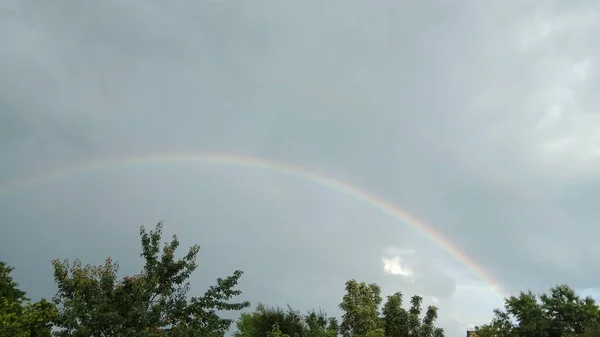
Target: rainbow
[[348, 189]]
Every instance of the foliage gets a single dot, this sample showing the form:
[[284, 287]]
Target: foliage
[[94, 302], [557, 314], [321, 326], [361, 310], [265, 318], [399, 322], [361, 318], [18, 318], [8, 288], [275, 332], [289, 322]]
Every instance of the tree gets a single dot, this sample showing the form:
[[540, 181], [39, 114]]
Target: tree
[[398, 322], [92, 300], [319, 325], [361, 318], [8, 288], [395, 317], [559, 313], [275, 332], [263, 320], [427, 326], [360, 305], [18, 316]]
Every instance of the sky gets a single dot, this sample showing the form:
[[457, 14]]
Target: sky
[[478, 118]]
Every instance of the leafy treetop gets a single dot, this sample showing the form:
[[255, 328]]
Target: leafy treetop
[[93, 301]]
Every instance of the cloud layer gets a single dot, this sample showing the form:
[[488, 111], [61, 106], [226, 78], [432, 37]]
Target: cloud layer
[[477, 118]]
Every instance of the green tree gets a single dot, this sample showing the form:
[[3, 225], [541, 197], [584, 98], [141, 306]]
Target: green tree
[[395, 317], [398, 322], [18, 316], [319, 325], [262, 321], [360, 305], [557, 314], [275, 332], [8, 288], [361, 318], [592, 330], [93, 301], [289, 322]]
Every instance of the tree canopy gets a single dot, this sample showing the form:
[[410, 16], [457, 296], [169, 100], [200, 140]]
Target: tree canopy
[[363, 316], [94, 301], [276, 321], [558, 313], [18, 316]]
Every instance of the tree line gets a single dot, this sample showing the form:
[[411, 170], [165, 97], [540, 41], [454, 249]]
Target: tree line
[[92, 301]]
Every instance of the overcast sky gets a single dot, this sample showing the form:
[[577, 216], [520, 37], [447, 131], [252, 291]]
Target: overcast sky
[[477, 117]]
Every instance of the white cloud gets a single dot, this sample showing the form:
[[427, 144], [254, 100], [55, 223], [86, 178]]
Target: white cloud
[[396, 266], [399, 261]]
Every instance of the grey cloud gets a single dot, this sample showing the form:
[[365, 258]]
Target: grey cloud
[[444, 110]]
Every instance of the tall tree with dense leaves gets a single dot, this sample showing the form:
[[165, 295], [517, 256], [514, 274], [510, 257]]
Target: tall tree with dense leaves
[[360, 305], [395, 317], [93, 301], [557, 314], [18, 316], [399, 322]]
